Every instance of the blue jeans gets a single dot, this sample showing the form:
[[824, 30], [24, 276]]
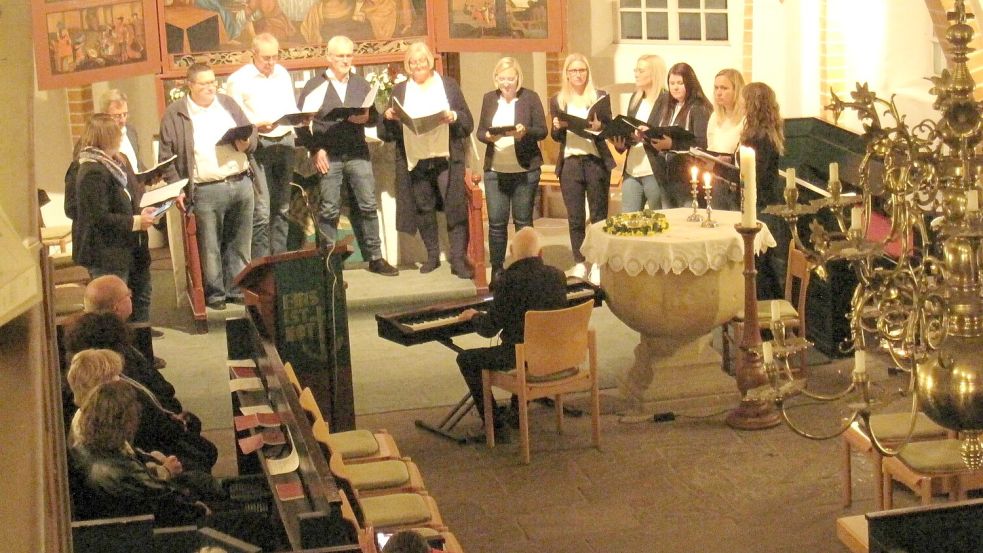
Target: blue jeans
[[137, 279], [365, 219], [224, 214], [505, 192], [270, 225], [635, 191]]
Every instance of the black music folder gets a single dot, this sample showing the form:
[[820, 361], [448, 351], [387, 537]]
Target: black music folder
[[501, 131], [673, 132], [581, 125], [419, 125], [156, 172], [299, 119], [350, 108], [622, 126], [236, 133], [722, 169]]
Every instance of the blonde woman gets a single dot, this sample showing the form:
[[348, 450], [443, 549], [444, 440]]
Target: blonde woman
[[641, 183], [430, 165], [512, 157], [584, 164], [724, 129]]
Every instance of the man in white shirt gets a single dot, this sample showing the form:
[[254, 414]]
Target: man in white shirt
[[341, 155], [219, 178], [265, 92]]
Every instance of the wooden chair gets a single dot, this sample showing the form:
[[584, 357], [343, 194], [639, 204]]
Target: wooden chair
[[355, 446], [791, 308], [292, 377], [890, 429], [548, 363], [919, 464], [391, 513], [378, 477], [367, 533]]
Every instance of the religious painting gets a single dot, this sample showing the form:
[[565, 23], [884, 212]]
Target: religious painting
[[85, 41], [220, 32], [499, 25]]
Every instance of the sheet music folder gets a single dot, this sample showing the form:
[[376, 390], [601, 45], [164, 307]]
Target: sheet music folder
[[581, 125], [156, 172], [236, 133], [348, 109], [722, 169], [419, 125]]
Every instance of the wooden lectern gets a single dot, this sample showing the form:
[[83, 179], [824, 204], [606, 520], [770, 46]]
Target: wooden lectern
[[299, 297]]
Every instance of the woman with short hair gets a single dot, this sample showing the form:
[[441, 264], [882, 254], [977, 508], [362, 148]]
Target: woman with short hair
[[430, 165], [584, 163], [511, 124]]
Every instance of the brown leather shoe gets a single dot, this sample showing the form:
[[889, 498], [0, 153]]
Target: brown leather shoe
[[382, 267]]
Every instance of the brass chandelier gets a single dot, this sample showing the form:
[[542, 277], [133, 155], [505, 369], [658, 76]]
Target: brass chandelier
[[926, 307]]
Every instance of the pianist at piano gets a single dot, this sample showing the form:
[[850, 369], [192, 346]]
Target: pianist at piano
[[527, 284]]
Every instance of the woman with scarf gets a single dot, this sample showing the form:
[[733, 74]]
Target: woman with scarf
[[430, 164], [111, 228]]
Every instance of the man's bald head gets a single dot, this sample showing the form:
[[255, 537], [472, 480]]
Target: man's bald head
[[108, 294], [525, 244]]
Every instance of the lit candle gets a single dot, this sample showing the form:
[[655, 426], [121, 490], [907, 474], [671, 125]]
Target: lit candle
[[790, 177], [776, 312], [750, 191], [834, 171], [860, 361], [693, 174], [767, 351], [972, 200], [707, 180], [856, 215]]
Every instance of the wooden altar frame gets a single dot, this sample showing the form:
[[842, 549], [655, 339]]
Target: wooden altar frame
[[42, 13]]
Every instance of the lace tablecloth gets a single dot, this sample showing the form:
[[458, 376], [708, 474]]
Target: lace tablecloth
[[684, 247]]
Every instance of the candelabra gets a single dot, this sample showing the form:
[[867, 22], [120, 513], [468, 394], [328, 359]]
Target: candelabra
[[926, 308], [708, 195], [695, 217]]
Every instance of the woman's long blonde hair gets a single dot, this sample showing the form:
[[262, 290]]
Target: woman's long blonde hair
[[567, 94], [764, 118], [658, 86], [737, 81]]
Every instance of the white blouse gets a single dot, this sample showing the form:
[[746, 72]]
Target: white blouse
[[723, 135], [421, 101], [637, 163], [505, 160], [577, 145]]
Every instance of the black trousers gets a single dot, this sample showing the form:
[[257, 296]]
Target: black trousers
[[472, 361], [584, 178], [429, 181]]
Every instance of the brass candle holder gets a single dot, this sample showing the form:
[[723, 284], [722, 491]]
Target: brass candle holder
[[695, 217], [708, 194]]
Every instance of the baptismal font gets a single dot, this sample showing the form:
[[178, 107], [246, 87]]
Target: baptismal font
[[925, 307]]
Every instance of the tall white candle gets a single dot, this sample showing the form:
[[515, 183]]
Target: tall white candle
[[790, 177], [768, 353], [860, 361], [776, 311], [856, 215], [834, 171], [749, 216], [972, 200]]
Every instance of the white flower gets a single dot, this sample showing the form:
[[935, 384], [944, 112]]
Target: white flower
[[400, 78]]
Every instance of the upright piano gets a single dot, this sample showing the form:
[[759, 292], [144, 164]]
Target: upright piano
[[811, 144]]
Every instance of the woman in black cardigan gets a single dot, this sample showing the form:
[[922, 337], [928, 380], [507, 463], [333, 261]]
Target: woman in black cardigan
[[110, 227], [763, 131], [687, 107], [430, 165], [584, 164], [512, 157]]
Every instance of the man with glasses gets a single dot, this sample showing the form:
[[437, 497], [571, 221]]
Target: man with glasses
[[219, 179], [340, 153], [265, 92]]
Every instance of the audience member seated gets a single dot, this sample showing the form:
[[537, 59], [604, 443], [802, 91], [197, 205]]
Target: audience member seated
[[114, 481], [111, 294], [174, 433]]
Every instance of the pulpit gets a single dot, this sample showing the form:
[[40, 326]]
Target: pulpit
[[299, 297]]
